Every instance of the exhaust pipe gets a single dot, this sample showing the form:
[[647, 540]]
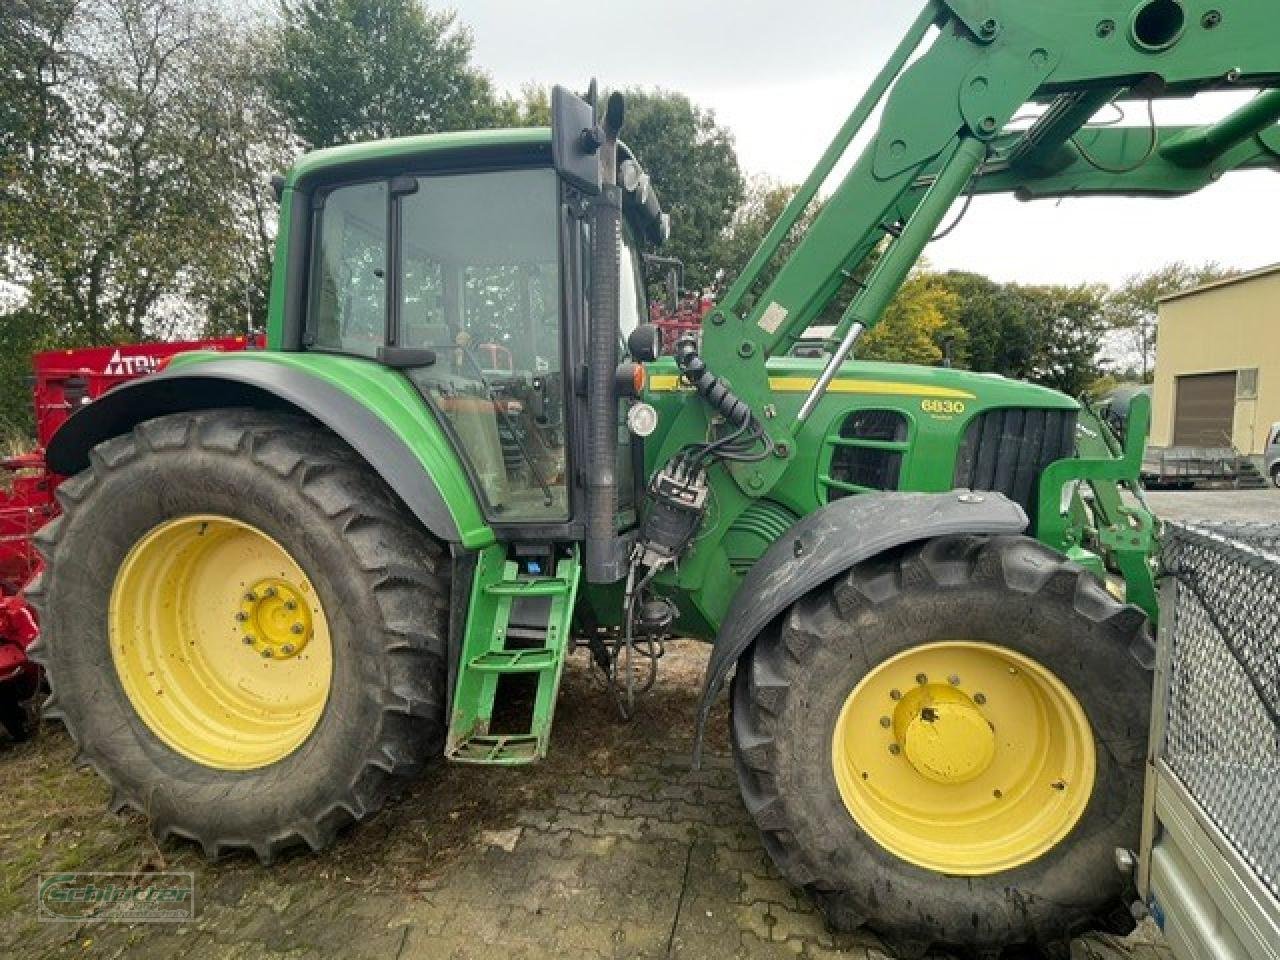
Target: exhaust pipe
[[605, 550]]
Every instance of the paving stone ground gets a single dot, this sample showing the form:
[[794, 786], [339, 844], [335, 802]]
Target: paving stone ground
[[613, 848]]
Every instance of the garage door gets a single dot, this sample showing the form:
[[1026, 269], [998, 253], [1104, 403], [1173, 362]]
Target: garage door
[[1205, 407]]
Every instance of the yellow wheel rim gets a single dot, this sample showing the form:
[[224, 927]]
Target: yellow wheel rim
[[964, 758], [220, 642]]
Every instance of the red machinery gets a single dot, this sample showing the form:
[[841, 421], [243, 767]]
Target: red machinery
[[686, 318], [63, 381]]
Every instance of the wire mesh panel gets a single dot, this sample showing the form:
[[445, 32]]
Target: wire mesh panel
[[1222, 734]]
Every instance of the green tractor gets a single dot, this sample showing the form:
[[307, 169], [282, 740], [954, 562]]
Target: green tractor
[[288, 580]]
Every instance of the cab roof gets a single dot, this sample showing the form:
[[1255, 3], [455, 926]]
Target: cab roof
[[530, 142]]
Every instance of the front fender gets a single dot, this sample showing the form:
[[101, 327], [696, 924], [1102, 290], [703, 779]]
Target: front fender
[[374, 409], [825, 544]]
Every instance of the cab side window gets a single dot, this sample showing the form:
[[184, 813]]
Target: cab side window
[[347, 306]]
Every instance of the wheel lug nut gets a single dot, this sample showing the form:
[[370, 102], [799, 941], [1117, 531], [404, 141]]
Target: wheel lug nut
[[291, 605], [248, 641], [250, 596], [885, 722], [953, 680], [895, 694], [269, 592], [266, 654], [895, 749], [297, 628], [921, 679], [242, 616], [979, 698], [287, 649]]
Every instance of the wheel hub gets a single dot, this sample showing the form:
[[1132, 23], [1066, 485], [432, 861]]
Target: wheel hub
[[274, 619], [943, 734]]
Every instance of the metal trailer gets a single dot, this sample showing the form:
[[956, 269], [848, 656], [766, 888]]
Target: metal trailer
[[1210, 865]]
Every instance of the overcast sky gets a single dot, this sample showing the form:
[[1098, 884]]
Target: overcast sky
[[784, 75]]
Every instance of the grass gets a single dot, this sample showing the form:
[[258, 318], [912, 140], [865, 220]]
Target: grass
[[13, 442]]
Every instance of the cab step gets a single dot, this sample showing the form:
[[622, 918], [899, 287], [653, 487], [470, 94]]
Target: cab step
[[512, 657]]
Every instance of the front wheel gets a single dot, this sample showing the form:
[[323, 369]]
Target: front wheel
[[948, 744], [1275, 475], [243, 629]]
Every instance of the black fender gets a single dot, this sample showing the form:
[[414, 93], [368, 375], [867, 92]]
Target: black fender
[[826, 543], [242, 382]]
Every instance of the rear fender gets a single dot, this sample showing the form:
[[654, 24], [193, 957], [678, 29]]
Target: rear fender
[[825, 544], [418, 464]]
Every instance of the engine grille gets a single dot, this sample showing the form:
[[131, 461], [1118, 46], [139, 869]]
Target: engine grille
[[1007, 450]]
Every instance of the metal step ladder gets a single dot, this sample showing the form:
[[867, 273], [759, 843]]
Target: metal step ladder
[[517, 625]]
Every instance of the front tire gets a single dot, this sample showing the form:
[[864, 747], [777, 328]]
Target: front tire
[[948, 744], [1275, 475], [243, 630]]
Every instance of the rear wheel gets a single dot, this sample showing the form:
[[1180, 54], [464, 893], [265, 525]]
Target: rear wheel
[[243, 629], [1275, 475], [948, 744]]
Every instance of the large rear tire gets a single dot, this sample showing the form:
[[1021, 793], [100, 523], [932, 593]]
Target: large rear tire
[[243, 630], [947, 744]]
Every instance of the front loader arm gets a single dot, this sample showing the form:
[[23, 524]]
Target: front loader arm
[[942, 133]]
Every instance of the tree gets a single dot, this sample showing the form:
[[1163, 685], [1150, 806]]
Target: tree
[[128, 199], [913, 326], [1132, 309], [1071, 326], [694, 167], [1001, 335], [351, 70], [249, 140], [763, 202]]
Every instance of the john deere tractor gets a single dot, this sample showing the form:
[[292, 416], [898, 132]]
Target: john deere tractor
[[287, 580]]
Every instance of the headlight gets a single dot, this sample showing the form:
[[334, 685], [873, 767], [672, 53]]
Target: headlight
[[642, 419]]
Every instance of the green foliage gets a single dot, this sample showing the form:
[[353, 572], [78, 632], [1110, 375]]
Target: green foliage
[[1070, 325], [20, 336], [1133, 313], [351, 70], [763, 202], [694, 167], [914, 325], [1001, 334], [1051, 335]]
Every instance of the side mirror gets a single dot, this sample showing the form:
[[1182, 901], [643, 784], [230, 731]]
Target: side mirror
[[672, 279], [645, 343], [575, 140]]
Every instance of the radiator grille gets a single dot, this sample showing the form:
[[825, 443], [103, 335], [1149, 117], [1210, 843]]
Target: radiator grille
[[1007, 450]]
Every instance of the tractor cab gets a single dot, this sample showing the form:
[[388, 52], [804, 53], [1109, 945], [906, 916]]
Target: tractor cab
[[464, 260]]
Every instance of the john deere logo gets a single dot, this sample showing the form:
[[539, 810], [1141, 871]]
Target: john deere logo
[[116, 897]]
